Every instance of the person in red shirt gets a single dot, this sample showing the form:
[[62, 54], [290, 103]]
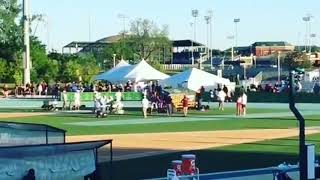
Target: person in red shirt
[[185, 102]]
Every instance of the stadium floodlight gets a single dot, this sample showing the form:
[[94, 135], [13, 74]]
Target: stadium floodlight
[[307, 19], [236, 21]]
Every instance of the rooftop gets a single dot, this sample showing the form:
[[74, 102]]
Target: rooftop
[[271, 43]]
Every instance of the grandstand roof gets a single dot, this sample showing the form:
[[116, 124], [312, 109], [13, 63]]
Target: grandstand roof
[[185, 43], [82, 44], [110, 39], [116, 38], [51, 149], [271, 43]]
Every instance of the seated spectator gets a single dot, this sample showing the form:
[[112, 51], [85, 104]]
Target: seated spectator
[[30, 175], [5, 91], [316, 88]]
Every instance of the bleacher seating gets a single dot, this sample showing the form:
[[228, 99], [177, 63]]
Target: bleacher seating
[[184, 57]]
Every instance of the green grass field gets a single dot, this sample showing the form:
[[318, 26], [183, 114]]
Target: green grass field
[[225, 123]]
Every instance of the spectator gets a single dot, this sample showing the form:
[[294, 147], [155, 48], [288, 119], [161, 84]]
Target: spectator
[[154, 101], [211, 93], [168, 102], [65, 99], [40, 89], [118, 95], [244, 104], [239, 105], [145, 106], [5, 91], [30, 175], [225, 90], [16, 90], [77, 102], [185, 105], [202, 91], [198, 99], [316, 88], [221, 99]]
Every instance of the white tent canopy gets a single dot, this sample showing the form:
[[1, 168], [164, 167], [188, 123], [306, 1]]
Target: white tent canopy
[[137, 73], [193, 79], [121, 64]]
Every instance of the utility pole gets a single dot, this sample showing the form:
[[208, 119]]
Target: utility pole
[[26, 41]]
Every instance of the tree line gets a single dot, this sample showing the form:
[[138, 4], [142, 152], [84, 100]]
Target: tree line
[[145, 40]]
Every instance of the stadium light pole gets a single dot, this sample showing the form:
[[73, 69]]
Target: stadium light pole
[[312, 36], [279, 75], [26, 41], [123, 18], [210, 13], [236, 21], [307, 19], [195, 14], [207, 19], [232, 55], [191, 25], [114, 60]]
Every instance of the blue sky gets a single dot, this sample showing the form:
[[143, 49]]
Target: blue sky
[[68, 20]]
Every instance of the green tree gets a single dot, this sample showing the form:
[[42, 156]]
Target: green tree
[[43, 68], [71, 67], [121, 49], [146, 38], [296, 60], [10, 31]]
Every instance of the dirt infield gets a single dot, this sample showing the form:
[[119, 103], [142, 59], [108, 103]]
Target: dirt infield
[[19, 115], [127, 146]]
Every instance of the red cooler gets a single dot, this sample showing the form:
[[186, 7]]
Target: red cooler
[[189, 164], [176, 165]]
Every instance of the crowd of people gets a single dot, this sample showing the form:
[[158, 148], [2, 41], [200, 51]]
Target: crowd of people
[[154, 98]]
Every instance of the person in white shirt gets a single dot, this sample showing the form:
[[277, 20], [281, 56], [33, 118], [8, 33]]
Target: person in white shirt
[[77, 102], [221, 99], [118, 96], [244, 104], [39, 89], [145, 106], [65, 99]]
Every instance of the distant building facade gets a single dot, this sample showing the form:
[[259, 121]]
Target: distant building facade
[[271, 47]]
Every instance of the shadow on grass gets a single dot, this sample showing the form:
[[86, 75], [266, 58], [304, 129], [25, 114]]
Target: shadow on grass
[[208, 161]]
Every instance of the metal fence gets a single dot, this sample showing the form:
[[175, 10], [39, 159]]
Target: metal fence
[[16, 134], [253, 174]]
